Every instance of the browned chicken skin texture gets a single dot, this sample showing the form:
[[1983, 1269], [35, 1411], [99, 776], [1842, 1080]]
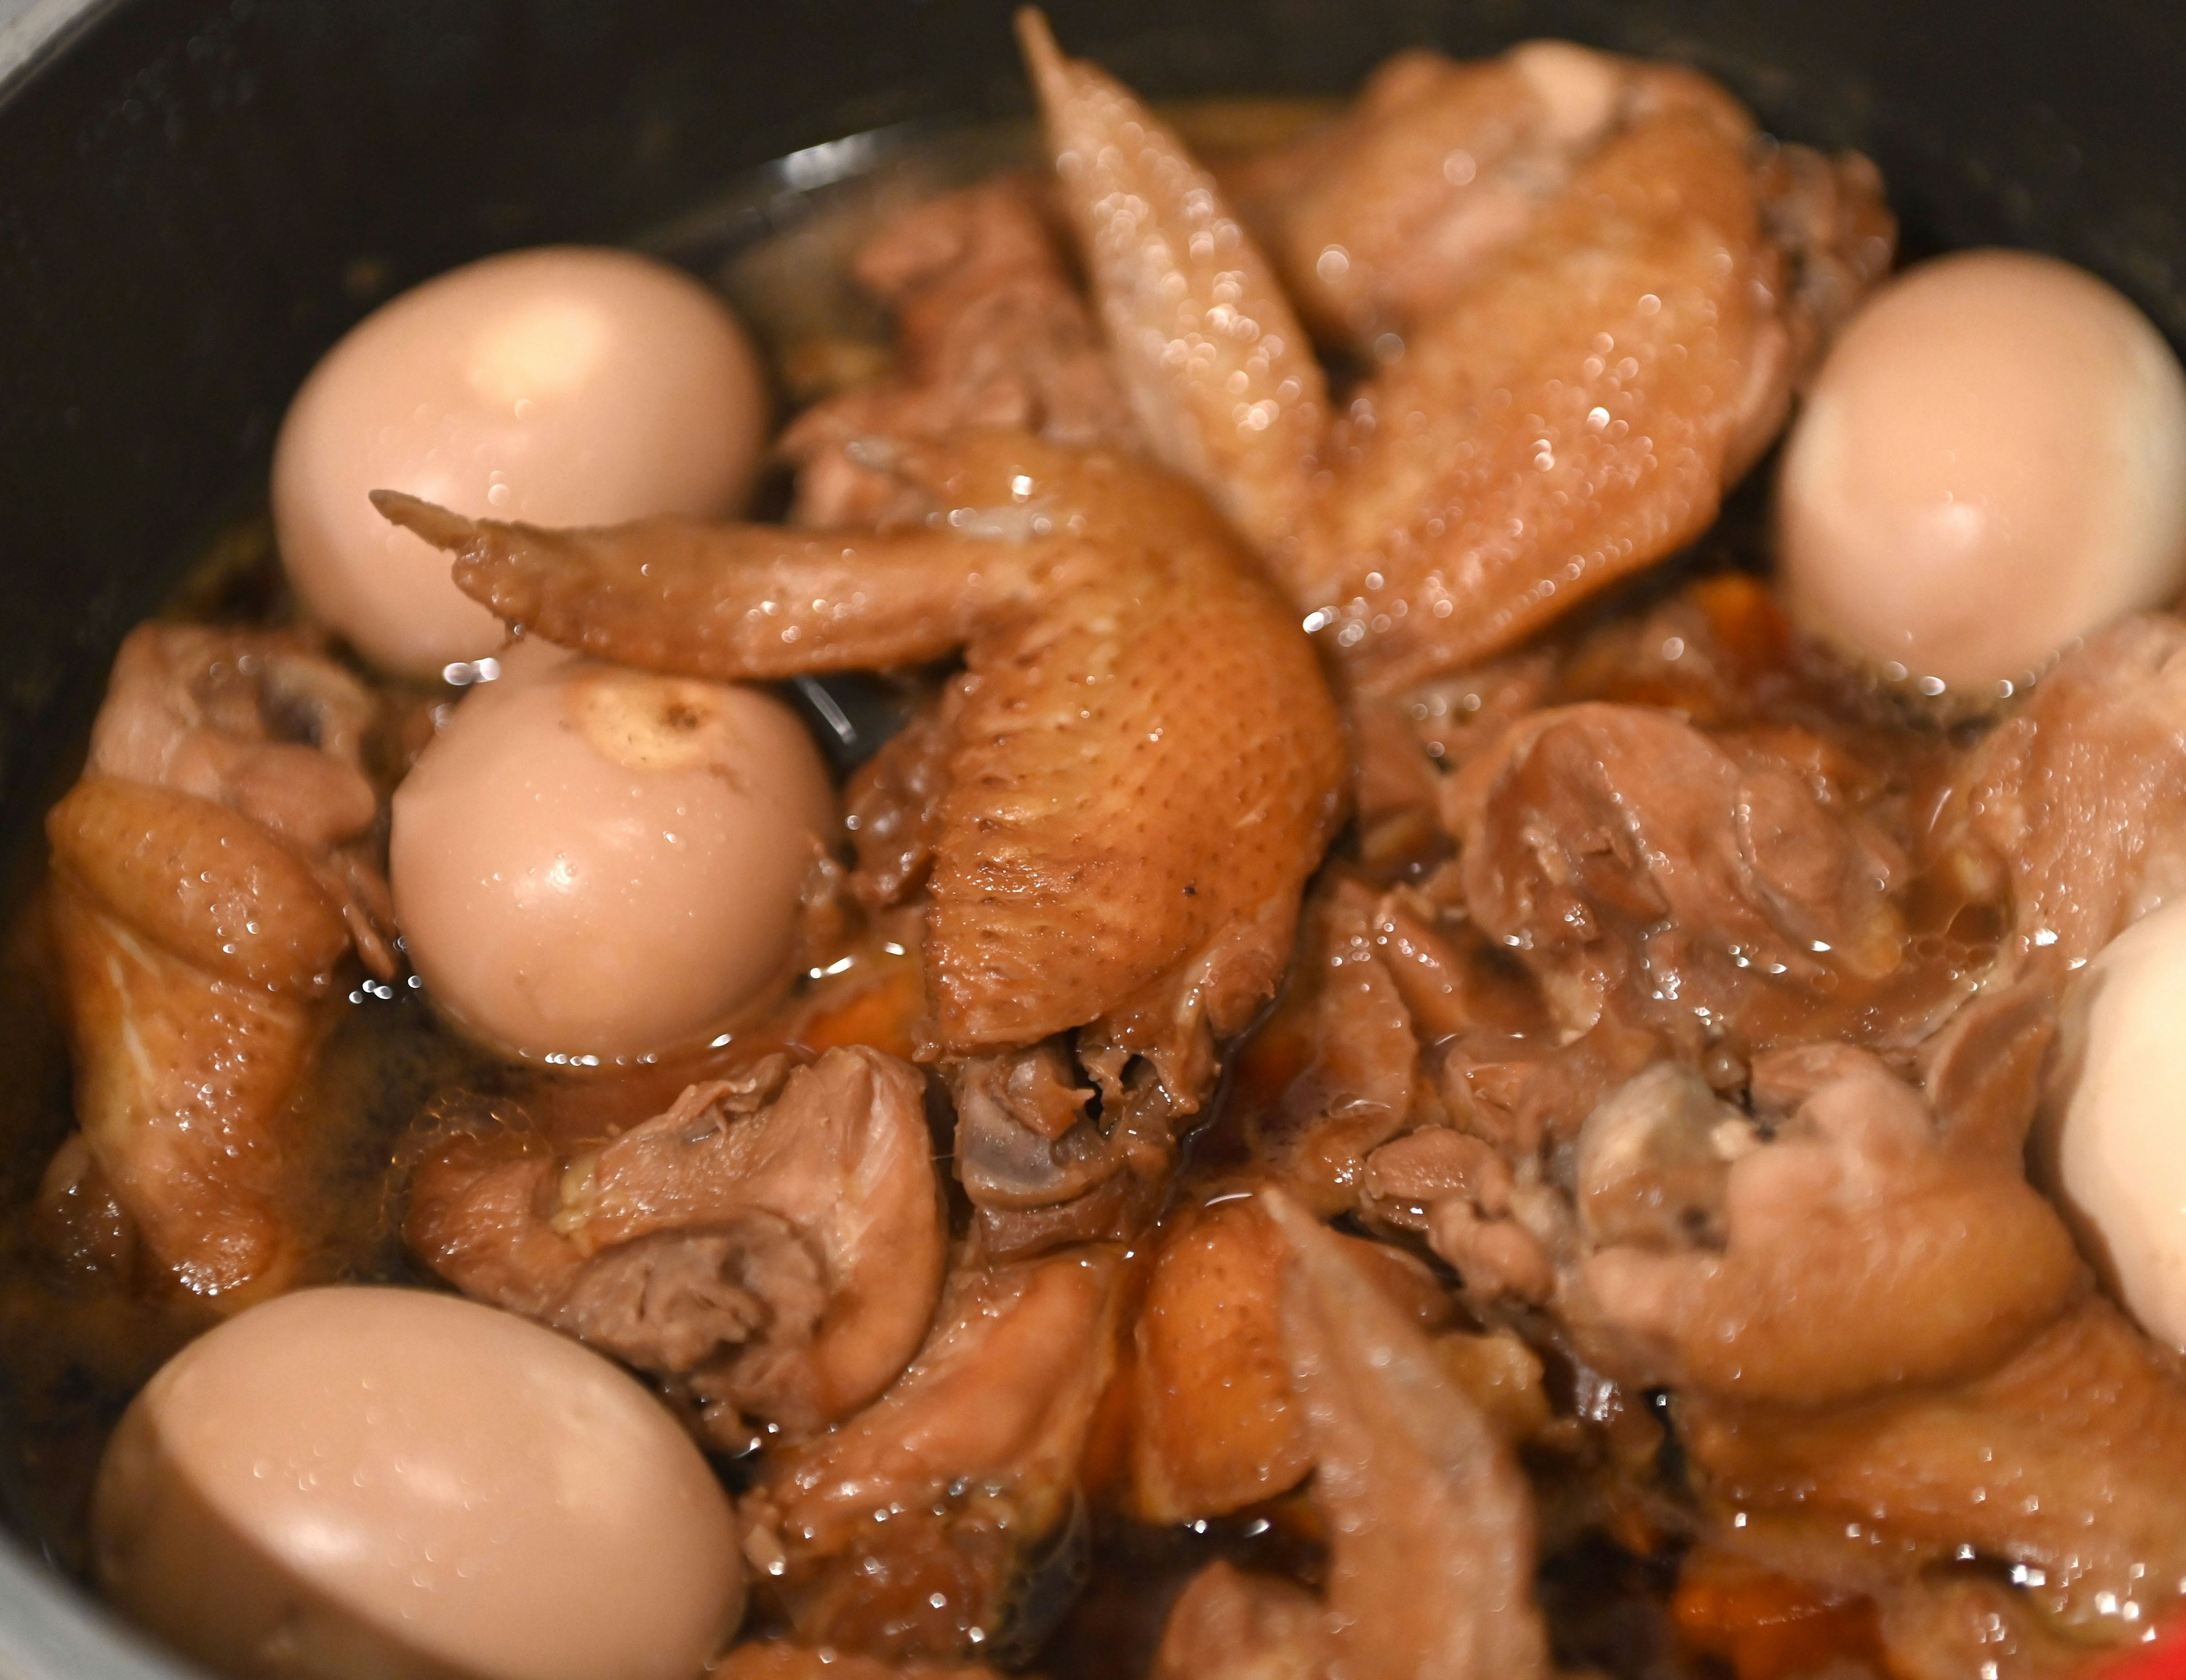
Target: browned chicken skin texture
[[2063, 1459], [781, 1249], [1571, 412], [1220, 377], [1147, 763], [209, 876], [907, 1533], [1440, 167], [1436, 169]]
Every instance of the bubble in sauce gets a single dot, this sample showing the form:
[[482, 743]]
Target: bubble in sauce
[[594, 862], [564, 386], [2112, 1136], [1992, 464], [385, 1481]]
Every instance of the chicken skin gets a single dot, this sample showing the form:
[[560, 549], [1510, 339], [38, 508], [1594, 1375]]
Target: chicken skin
[[210, 872], [1144, 766], [1606, 346]]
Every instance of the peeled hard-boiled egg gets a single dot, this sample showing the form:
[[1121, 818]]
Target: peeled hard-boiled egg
[[1992, 464], [388, 1483], [2112, 1137], [564, 386], [596, 864]]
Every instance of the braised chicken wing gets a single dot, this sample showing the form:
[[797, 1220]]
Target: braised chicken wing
[[1571, 411], [774, 1241], [1378, 221], [210, 872], [1144, 765]]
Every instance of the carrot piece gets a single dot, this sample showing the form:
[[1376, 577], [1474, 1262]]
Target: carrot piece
[[1770, 1626]]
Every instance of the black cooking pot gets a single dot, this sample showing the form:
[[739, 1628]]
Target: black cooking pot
[[196, 199]]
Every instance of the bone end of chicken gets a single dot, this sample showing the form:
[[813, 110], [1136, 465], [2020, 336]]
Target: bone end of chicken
[[1432, 1566]]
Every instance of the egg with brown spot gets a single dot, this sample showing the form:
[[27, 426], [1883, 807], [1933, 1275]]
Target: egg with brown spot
[[597, 863]]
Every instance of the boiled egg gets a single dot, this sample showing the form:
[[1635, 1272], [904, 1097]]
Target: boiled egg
[[1992, 464], [564, 386], [2112, 1136], [385, 1481], [591, 864]]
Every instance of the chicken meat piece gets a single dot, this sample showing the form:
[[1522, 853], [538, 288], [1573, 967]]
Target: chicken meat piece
[[1377, 220], [776, 1243], [1697, 882], [1145, 766], [1969, 1622], [1572, 411], [1345, 1049], [991, 334], [921, 1527], [1861, 1250], [2059, 1465], [2078, 796], [1431, 1525], [210, 872]]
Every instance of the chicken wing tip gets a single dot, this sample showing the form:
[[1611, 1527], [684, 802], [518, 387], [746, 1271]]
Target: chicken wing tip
[[438, 525], [1036, 40]]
